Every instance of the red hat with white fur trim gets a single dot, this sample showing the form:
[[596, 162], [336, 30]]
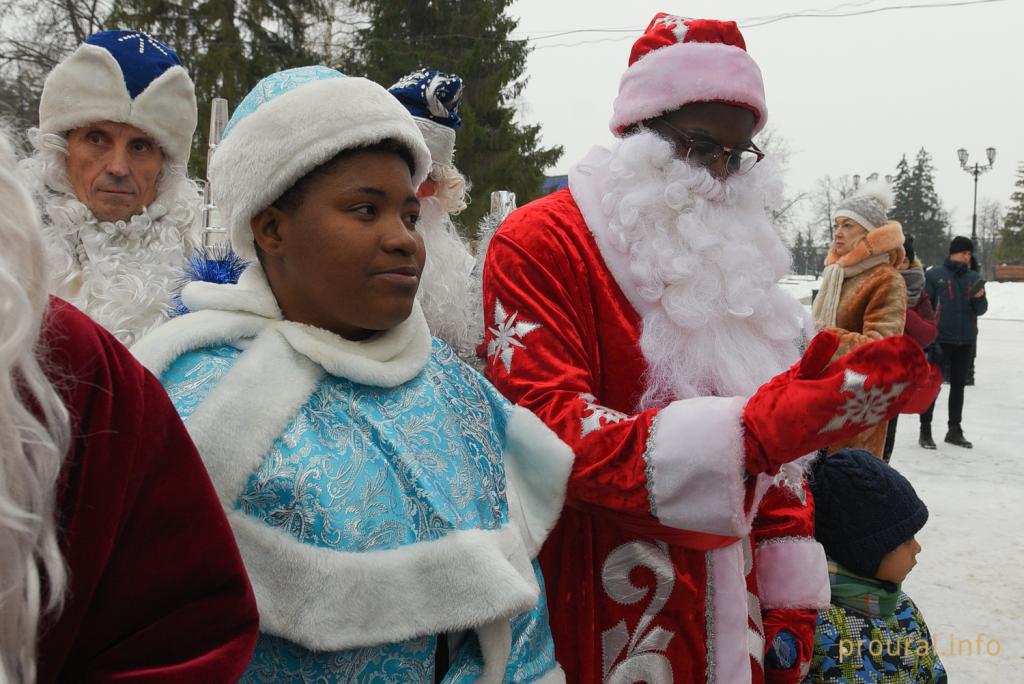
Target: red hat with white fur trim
[[679, 61]]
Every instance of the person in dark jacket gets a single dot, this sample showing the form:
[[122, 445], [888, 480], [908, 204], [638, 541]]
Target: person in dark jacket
[[959, 296]]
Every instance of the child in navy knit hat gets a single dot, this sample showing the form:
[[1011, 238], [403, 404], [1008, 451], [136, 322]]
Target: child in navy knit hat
[[866, 516]]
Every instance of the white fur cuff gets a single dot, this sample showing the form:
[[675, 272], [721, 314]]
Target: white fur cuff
[[537, 465], [695, 466], [555, 675], [792, 573]]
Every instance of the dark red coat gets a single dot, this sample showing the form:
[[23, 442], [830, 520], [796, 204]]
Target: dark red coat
[[157, 590], [922, 323], [923, 327]]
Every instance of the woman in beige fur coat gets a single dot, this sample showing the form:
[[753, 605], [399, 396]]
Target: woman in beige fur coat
[[862, 296]]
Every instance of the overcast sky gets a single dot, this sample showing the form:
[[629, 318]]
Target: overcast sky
[[851, 94]]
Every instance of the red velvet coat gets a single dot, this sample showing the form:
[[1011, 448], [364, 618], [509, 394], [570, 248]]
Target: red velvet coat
[[653, 570], [157, 590]]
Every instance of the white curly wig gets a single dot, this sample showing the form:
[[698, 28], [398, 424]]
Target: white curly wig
[[34, 436], [121, 273]]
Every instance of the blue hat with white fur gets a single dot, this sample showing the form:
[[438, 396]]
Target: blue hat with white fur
[[128, 77], [292, 122], [433, 98]]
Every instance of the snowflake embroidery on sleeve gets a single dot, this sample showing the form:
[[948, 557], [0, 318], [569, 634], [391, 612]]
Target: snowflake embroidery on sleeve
[[863, 406], [508, 334], [596, 416], [143, 38]]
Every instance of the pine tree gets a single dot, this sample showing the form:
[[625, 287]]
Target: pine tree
[[800, 255], [227, 46], [1011, 237], [36, 35], [470, 38], [918, 208]]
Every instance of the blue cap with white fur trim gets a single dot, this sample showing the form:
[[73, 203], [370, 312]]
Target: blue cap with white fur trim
[[431, 94], [127, 77], [433, 98], [289, 124], [275, 85], [141, 57]]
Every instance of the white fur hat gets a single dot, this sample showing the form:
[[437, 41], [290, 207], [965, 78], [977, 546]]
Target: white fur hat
[[127, 77], [292, 122]]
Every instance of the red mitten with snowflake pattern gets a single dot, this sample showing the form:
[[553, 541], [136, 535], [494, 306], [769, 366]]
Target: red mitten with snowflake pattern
[[815, 403]]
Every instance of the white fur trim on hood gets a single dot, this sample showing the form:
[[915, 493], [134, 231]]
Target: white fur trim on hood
[[89, 87], [268, 150]]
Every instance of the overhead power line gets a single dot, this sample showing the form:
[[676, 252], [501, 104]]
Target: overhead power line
[[843, 10], [811, 14]]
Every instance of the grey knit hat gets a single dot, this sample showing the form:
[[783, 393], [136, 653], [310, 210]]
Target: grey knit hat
[[868, 207]]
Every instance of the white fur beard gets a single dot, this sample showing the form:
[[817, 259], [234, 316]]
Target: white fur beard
[[451, 304], [705, 254], [120, 273]]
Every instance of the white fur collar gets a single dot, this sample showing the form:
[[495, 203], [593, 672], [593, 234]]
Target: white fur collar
[[587, 185], [387, 359], [251, 294]]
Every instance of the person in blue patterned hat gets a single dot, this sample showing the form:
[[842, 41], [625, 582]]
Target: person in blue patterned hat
[[449, 294], [389, 504], [116, 121]]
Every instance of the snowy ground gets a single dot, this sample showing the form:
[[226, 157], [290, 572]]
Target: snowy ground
[[1005, 301], [969, 582]]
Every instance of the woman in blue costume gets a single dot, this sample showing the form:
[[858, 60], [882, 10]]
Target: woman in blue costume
[[387, 501]]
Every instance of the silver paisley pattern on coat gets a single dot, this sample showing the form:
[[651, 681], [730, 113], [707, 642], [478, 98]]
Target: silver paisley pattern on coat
[[362, 469]]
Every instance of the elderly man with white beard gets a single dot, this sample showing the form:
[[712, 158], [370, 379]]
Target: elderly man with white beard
[[116, 120], [637, 314], [449, 293]]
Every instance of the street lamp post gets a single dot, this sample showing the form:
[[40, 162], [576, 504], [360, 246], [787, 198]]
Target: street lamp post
[[976, 170], [870, 179]]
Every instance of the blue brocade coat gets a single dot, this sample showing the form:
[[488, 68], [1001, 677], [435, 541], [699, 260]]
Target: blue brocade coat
[[381, 492]]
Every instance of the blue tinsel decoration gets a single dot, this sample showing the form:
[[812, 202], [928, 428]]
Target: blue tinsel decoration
[[210, 265]]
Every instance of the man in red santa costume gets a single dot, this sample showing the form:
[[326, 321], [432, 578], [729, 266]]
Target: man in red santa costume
[[637, 314]]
